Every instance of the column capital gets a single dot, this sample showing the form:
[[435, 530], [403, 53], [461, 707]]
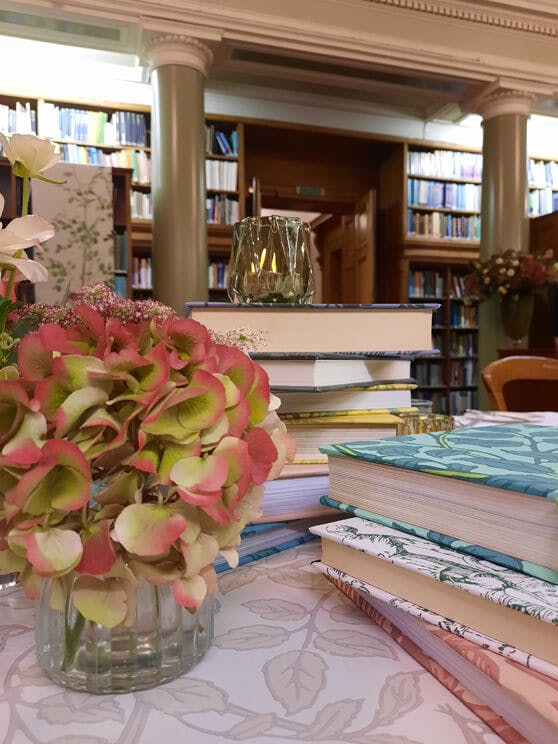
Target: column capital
[[500, 99], [177, 49]]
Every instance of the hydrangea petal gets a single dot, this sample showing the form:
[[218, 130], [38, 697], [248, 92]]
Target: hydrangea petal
[[189, 592], [98, 551], [148, 529], [103, 601], [53, 552]]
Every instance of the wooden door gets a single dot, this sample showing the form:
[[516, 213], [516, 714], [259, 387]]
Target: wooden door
[[364, 248], [346, 245]]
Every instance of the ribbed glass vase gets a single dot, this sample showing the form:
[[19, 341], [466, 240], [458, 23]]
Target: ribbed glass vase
[[163, 643]]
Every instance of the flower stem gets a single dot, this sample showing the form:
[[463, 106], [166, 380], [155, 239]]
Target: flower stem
[[25, 196], [72, 635]]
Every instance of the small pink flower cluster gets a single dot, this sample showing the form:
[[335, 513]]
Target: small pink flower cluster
[[102, 299]]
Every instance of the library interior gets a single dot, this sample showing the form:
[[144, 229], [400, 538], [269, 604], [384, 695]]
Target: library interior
[[419, 142]]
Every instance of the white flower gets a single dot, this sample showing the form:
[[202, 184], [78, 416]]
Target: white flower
[[21, 233], [29, 155]]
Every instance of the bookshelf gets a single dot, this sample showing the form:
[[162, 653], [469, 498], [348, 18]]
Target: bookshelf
[[450, 379], [542, 177], [429, 227]]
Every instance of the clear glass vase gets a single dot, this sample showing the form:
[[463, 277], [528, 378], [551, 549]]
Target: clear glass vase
[[270, 261], [164, 642]]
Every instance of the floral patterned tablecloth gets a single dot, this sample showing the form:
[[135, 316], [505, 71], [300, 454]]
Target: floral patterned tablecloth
[[293, 661]]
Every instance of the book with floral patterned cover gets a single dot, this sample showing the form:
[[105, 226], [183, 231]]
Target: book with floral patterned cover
[[491, 486], [467, 694], [370, 592], [520, 704], [494, 556], [519, 610]]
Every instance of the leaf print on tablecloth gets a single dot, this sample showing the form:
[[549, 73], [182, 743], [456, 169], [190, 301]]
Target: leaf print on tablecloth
[[346, 613], [300, 579], [252, 637], [186, 695], [345, 642], [399, 695], [71, 707], [251, 727], [295, 679], [231, 580], [277, 609], [334, 719]]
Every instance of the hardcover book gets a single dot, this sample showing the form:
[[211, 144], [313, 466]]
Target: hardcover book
[[294, 498], [311, 433], [285, 372], [369, 591], [446, 541], [333, 329], [520, 704], [491, 486], [517, 609], [396, 395]]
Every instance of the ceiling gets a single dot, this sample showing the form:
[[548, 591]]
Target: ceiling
[[395, 91]]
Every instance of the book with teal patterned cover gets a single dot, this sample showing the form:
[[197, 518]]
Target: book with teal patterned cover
[[516, 457], [446, 541]]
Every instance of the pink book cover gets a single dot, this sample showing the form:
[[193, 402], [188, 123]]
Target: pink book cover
[[466, 696]]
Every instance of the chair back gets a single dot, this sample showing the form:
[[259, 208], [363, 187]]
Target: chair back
[[522, 383]]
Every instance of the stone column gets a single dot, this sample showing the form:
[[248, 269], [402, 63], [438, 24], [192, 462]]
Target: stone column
[[504, 208], [179, 65]]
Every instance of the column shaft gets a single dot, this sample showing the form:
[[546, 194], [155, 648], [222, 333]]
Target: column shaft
[[179, 253], [505, 224]]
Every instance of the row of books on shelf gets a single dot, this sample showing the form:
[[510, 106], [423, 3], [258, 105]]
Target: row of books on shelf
[[443, 225], [542, 173], [217, 274], [221, 175], [423, 193], [463, 344], [542, 201], [464, 316], [463, 372], [141, 205], [137, 160], [94, 127], [19, 119], [120, 243], [429, 373], [448, 564], [426, 284], [221, 142], [141, 273], [445, 164], [222, 210]]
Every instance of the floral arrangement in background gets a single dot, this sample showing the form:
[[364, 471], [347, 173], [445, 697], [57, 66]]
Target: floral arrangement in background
[[132, 445], [511, 274]]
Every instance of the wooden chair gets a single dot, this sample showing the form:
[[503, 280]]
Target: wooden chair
[[522, 383]]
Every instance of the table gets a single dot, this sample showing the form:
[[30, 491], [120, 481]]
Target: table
[[293, 661]]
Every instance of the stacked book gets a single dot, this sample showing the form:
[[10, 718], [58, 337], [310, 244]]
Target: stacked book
[[341, 372], [450, 545]]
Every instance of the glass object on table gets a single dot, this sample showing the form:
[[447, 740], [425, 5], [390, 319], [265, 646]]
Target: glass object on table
[[422, 423], [162, 640], [517, 313], [270, 261]]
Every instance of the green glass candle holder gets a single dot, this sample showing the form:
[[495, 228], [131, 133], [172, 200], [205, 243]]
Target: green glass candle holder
[[270, 261]]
